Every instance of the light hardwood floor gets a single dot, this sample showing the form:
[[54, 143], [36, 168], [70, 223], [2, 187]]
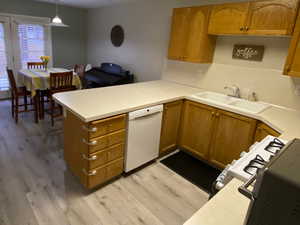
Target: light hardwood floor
[[36, 188]]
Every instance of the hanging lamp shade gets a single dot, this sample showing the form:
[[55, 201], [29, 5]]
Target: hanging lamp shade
[[57, 21]]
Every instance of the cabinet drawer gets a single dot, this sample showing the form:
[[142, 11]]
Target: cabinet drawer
[[103, 157], [105, 126], [100, 143], [115, 169], [102, 174]]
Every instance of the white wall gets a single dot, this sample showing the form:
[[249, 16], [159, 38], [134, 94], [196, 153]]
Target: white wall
[[147, 26], [265, 78]]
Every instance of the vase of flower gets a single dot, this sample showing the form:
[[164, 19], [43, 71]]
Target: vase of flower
[[45, 60]]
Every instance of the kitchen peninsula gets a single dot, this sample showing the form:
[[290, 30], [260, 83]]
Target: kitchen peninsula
[[111, 105]]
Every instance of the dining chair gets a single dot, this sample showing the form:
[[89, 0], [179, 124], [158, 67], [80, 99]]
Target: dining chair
[[20, 92], [59, 82], [79, 69], [35, 65]]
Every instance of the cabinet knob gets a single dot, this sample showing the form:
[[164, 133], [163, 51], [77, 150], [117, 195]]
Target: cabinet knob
[[213, 113], [91, 173], [93, 143], [217, 114], [92, 129], [93, 158]]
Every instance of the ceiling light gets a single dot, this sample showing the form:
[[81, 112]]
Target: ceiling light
[[56, 21]]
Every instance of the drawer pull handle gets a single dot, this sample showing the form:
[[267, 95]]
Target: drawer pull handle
[[93, 158], [93, 129], [93, 143], [92, 173]]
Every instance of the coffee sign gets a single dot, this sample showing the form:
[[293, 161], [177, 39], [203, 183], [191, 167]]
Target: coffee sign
[[248, 52]]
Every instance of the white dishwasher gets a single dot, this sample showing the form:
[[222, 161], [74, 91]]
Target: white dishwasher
[[144, 129]]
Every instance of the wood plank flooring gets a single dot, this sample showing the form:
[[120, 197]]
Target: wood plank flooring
[[37, 189]]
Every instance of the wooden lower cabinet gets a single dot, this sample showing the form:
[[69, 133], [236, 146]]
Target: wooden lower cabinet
[[94, 159], [215, 135], [103, 174], [170, 126], [263, 131], [233, 134], [197, 128]]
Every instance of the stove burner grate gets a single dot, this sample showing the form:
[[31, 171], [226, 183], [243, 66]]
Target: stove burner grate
[[254, 165], [274, 146]]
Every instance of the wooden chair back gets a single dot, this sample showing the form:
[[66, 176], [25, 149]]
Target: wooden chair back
[[35, 65], [12, 82], [79, 69], [61, 81]]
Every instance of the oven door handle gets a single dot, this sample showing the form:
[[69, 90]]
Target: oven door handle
[[244, 188]]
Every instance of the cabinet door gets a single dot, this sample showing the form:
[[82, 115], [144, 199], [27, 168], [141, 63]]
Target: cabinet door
[[179, 30], [200, 46], [197, 128], [228, 18], [170, 126], [292, 65], [274, 17], [233, 134], [263, 131]]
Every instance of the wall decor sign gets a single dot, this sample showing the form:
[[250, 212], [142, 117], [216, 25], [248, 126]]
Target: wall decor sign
[[248, 52]]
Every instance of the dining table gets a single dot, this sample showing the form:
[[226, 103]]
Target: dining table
[[38, 80]]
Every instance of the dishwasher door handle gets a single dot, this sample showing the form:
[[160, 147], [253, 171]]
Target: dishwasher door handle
[[146, 116]]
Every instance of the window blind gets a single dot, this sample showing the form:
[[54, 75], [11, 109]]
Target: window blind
[[32, 43]]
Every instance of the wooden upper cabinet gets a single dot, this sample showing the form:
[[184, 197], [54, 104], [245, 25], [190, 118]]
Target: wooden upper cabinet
[[189, 40], [199, 46], [273, 17], [232, 135], [179, 32], [292, 65], [197, 128], [170, 126], [228, 18]]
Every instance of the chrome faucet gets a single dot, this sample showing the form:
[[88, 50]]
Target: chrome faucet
[[235, 91]]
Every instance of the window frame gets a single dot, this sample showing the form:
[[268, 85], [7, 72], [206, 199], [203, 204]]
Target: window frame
[[12, 43], [17, 20], [5, 20]]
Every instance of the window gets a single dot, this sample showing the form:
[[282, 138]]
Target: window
[[22, 39], [31, 42], [3, 60]]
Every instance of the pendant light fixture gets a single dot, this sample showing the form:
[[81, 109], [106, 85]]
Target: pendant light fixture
[[56, 21]]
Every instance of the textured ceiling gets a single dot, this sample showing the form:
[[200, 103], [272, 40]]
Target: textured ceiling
[[87, 3]]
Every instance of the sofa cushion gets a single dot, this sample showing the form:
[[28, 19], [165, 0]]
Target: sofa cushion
[[111, 68]]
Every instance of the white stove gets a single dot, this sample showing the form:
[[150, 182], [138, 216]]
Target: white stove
[[250, 162]]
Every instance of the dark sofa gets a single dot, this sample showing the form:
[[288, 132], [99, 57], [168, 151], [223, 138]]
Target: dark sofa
[[108, 74]]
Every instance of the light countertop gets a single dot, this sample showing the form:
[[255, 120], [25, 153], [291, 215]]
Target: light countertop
[[98, 103], [228, 207]]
